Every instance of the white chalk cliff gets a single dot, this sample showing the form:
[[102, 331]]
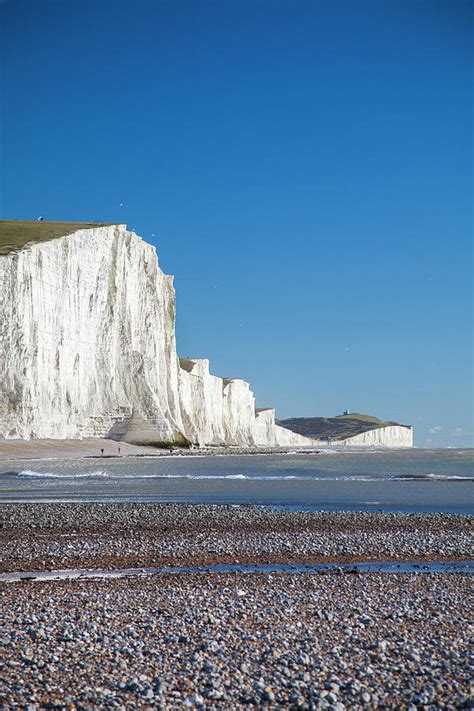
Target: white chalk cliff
[[391, 436], [267, 432], [88, 349]]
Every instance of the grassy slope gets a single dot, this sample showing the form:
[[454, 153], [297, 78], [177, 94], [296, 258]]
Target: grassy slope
[[15, 234], [335, 427]]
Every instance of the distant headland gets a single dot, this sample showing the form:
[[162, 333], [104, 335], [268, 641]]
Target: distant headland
[[352, 429]]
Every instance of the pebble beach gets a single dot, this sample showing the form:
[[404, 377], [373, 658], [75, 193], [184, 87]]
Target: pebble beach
[[238, 641], [231, 640], [58, 536]]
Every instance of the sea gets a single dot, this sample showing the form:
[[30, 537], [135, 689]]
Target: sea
[[407, 480]]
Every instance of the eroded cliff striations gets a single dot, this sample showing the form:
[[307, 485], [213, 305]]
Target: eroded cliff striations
[[88, 349], [87, 338]]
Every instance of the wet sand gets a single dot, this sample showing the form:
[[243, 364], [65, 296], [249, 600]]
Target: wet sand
[[46, 449]]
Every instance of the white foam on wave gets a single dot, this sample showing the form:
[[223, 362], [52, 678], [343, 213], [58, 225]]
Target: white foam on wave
[[114, 475], [54, 475], [434, 477], [160, 475], [100, 474], [350, 450]]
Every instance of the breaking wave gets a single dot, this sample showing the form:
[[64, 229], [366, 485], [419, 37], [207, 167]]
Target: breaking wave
[[113, 475], [101, 474], [53, 475], [434, 477]]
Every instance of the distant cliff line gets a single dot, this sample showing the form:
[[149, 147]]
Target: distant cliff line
[[351, 429]]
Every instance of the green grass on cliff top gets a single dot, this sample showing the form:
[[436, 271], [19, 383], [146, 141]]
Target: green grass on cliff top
[[15, 234], [339, 427]]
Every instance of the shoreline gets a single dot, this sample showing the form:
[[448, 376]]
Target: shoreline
[[53, 450], [89, 449], [399, 567], [121, 564]]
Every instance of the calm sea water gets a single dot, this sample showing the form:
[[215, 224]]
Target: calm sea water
[[394, 480]]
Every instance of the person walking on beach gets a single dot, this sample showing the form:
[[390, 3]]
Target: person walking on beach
[[102, 452]]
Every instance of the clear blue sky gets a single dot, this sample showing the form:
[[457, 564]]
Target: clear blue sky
[[305, 167]]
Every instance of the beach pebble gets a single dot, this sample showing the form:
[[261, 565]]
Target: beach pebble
[[205, 640]]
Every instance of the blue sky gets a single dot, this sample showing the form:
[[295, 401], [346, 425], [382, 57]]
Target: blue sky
[[304, 169]]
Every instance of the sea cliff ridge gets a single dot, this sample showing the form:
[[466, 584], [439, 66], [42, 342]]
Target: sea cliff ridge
[[88, 350], [88, 347], [353, 429]]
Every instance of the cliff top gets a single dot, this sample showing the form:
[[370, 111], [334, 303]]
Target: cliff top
[[15, 234], [339, 427]]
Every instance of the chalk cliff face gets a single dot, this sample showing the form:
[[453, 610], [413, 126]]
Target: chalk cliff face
[[215, 411], [87, 338], [392, 436], [267, 432], [352, 429], [87, 349]]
